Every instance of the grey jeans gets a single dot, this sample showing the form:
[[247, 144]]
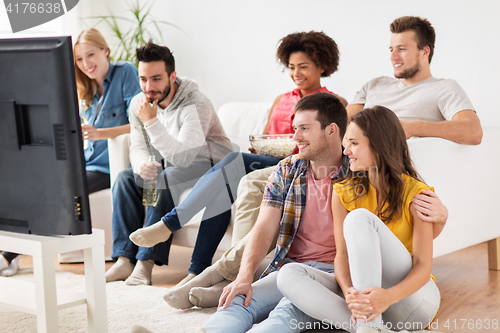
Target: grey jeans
[[377, 258]]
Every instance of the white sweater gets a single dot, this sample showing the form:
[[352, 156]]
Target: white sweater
[[188, 130]]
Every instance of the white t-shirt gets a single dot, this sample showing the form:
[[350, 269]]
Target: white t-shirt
[[428, 100]]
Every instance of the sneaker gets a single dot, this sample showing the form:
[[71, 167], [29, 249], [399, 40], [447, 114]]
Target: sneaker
[[12, 268]]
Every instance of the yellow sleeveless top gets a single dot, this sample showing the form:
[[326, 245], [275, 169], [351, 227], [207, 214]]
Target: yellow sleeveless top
[[401, 226]]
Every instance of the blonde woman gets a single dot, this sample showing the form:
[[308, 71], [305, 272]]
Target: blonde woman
[[107, 89]]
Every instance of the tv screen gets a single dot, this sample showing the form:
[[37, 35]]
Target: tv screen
[[43, 185]]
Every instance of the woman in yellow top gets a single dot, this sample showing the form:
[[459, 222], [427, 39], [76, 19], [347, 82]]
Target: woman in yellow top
[[384, 250]]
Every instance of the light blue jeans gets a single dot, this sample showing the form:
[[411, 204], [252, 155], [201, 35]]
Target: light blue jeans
[[267, 300], [377, 258], [215, 191]]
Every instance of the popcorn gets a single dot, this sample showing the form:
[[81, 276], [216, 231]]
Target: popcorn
[[274, 145]]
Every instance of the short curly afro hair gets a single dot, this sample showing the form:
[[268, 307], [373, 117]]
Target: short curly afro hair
[[317, 45]]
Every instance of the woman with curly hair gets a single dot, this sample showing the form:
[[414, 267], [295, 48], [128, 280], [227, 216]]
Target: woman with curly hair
[[309, 56]]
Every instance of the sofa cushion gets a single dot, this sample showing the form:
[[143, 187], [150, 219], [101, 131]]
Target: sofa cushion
[[241, 119]]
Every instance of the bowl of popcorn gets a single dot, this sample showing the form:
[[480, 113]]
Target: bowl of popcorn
[[274, 145]]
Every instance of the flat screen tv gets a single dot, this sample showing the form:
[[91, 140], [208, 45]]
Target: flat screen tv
[[43, 185]]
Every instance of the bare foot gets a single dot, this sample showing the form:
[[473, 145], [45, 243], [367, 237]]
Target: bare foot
[[150, 236]]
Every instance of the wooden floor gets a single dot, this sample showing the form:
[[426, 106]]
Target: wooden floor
[[163, 276], [470, 292]]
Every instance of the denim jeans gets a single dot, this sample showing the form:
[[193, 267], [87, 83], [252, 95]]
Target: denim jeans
[[267, 300], [215, 192], [129, 213]]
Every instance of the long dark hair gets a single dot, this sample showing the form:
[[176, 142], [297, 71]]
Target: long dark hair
[[392, 159]]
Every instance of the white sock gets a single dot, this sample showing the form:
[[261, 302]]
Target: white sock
[[150, 236], [178, 296], [207, 297], [120, 270], [139, 329], [3, 263], [12, 268], [141, 275]]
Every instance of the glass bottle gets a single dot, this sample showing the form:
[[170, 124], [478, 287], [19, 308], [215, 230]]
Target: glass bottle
[[149, 189], [83, 119]]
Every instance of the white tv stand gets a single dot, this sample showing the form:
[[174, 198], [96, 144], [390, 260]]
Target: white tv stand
[[41, 298]]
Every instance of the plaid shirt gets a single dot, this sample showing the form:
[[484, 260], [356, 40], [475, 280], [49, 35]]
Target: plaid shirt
[[286, 189]]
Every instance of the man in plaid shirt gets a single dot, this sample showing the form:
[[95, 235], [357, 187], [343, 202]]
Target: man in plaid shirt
[[320, 122]]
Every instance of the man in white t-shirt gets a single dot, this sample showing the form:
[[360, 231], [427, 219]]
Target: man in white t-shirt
[[426, 106]]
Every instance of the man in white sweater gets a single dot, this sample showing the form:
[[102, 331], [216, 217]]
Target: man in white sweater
[[174, 121]]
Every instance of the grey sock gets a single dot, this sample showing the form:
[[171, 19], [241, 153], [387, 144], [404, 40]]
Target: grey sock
[[188, 278], [141, 275], [178, 296], [120, 270], [139, 329], [207, 297]]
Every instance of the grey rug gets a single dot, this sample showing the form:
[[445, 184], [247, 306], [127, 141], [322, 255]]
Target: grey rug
[[127, 306], [142, 305]]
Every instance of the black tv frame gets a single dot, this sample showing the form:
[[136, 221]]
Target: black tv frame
[[43, 183]]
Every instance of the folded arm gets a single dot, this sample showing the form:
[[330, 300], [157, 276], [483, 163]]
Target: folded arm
[[464, 128], [181, 150]]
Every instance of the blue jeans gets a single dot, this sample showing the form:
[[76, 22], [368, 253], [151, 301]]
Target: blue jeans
[[129, 213], [267, 300], [215, 192]]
